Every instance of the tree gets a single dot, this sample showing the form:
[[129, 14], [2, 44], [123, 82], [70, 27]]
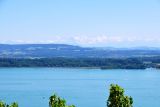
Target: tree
[[117, 97], [2, 104], [14, 104], [55, 101]]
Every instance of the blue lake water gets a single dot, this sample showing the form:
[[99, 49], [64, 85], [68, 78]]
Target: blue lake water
[[31, 87]]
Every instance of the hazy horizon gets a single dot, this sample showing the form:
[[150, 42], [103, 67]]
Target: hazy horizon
[[118, 47], [98, 23]]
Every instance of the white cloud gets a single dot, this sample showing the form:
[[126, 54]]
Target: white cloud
[[116, 40], [101, 40]]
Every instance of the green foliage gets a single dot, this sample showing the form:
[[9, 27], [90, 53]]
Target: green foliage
[[103, 63], [14, 104], [2, 104], [117, 97], [71, 106], [55, 101]]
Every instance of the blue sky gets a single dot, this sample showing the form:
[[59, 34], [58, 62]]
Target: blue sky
[[117, 23]]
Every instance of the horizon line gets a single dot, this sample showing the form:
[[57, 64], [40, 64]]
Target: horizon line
[[129, 47]]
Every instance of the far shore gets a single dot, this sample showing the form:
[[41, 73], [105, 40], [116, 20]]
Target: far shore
[[82, 68]]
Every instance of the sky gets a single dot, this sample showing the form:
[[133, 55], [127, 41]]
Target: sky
[[93, 23]]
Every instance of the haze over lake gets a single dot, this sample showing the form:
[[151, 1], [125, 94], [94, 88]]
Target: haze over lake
[[32, 87]]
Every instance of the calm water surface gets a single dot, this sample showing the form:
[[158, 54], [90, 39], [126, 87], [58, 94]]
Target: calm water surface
[[31, 87]]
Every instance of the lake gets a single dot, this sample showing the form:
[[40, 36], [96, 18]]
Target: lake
[[32, 87]]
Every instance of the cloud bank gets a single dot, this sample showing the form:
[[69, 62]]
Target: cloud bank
[[94, 40]]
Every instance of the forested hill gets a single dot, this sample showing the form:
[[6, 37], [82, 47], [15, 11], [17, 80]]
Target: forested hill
[[102, 63], [69, 51]]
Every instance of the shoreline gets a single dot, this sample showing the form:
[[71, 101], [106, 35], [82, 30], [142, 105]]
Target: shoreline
[[82, 68]]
